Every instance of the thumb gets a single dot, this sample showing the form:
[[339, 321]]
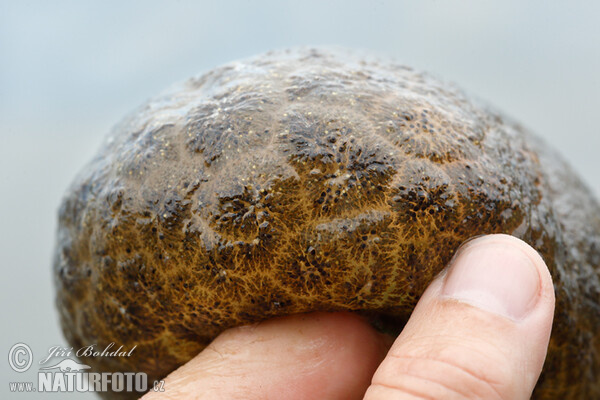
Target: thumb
[[480, 330]]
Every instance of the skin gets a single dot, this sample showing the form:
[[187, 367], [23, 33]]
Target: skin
[[340, 356], [312, 180]]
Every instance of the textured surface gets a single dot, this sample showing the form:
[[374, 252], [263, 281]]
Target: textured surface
[[311, 180]]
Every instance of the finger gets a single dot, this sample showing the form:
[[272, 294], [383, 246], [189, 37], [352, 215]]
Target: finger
[[306, 356], [480, 330]]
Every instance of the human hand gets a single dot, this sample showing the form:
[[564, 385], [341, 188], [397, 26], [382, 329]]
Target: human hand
[[480, 331]]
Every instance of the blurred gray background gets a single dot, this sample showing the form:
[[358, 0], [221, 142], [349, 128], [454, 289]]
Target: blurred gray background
[[70, 70]]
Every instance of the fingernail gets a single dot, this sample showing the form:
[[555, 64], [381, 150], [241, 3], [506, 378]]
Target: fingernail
[[496, 275]]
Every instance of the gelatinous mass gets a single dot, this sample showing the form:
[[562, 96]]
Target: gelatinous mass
[[312, 179]]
